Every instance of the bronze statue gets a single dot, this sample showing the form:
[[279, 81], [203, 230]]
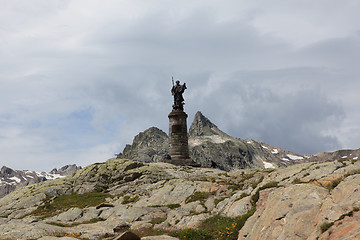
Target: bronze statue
[[177, 91]]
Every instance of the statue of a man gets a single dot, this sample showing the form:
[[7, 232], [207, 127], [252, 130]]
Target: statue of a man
[[177, 91]]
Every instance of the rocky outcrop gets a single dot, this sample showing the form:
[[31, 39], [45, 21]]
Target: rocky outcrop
[[302, 201], [152, 145], [210, 147], [321, 205]]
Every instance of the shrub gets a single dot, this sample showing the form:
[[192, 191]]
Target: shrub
[[296, 181], [325, 226]]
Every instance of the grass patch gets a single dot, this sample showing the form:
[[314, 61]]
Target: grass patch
[[130, 199], [199, 196], [63, 203], [224, 228], [243, 195], [247, 176], [296, 181], [157, 220], [269, 185], [236, 187], [333, 183], [173, 206], [325, 226], [193, 234], [217, 200]]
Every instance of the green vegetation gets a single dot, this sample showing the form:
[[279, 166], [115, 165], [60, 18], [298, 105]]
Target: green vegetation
[[224, 228], [157, 220], [243, 195], [217, 200], [193, 234], [64, 202], [199, 196], [236, 187], [333, 183], [213, 228], [130, 199], [325, 226], [256, 196], [269, 185], [296, 181], [349, 214], [173, 206]]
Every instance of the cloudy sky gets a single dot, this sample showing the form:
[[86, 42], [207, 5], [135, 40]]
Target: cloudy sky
[[80, 78]]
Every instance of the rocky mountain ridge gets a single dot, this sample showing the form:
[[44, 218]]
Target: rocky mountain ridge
[[11, 179], [211, 147], [317, 200]]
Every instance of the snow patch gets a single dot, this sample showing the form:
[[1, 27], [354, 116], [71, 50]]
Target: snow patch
[[48, 176], [16, 179], [268, 165], [355, 158], [285, 159], [264, 147], [53, 176], [275, 151], [200, 140], [293, 157], [344, 156]]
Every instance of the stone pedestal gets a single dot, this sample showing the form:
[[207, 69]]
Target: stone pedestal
[[179, 149]]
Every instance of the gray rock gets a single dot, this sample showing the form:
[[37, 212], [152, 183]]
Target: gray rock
[[71, 215]]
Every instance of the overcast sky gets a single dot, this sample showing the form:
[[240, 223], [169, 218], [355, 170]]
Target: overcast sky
[[80, 78]]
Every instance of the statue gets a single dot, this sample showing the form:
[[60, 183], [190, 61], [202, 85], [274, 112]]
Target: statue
[[177, 91]]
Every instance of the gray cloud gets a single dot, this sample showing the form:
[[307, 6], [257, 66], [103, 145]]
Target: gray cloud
[[81, 78]]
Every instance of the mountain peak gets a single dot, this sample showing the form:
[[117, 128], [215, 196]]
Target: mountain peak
[[202, 126]]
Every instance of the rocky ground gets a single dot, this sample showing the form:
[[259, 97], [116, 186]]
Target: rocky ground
[[302, 201]]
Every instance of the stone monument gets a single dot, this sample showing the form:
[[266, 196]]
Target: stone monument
[[179, 149]]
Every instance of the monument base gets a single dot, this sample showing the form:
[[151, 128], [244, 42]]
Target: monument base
[[183, 162], [179, 149]]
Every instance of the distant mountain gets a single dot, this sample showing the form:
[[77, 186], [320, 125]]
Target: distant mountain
[[211, 147], [66, 170], [11, 179]]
